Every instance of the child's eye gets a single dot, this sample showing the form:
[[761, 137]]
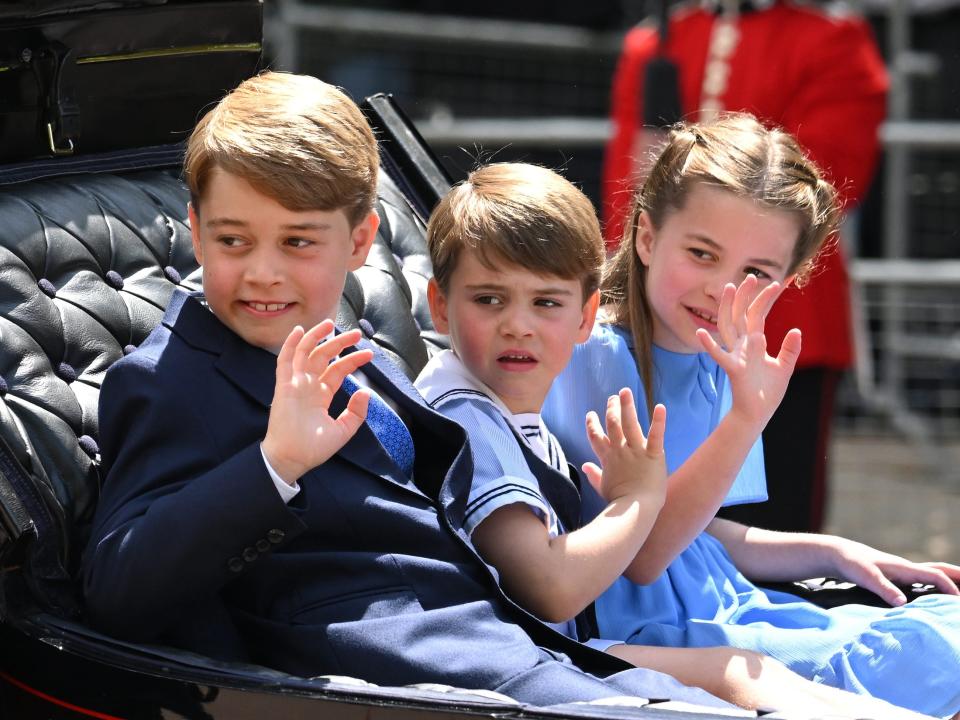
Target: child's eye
[[298, 242], [761, 275], [700, 254], [488, 300], [230, 241], [547, 302]]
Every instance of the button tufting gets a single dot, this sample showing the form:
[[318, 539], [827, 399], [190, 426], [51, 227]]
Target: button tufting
[[3, 387], [114, 280], [263, 545], [172, 274], [275, 536], [88, 445], [46, 287], [249, 554], [127, 349], [235, 564], [365, 327], [66, 373]]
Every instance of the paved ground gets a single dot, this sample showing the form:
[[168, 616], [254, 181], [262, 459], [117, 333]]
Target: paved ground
[[888, 494]]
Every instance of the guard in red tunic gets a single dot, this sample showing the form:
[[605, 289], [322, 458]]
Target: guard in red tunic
[[816, 72]]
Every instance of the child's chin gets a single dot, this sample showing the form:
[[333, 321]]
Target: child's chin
[[271, 342]]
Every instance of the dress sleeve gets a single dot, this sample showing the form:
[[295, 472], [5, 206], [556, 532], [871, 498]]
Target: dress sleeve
[[501, 475]]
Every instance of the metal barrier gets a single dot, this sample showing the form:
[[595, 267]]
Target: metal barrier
[[907, 368]]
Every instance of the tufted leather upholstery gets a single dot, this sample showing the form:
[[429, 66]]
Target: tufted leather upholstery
[[87, 265]]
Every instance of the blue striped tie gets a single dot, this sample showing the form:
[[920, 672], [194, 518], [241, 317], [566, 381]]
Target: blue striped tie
[[388, 427]]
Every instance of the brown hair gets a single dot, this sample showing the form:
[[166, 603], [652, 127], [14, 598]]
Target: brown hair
[[522, 215], [734, 153], [297, 139]]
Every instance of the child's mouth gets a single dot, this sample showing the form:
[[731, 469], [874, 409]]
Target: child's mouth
[[517, 360], [267, 307], [706, 317]]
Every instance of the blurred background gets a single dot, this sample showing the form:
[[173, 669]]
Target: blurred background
[[531, 80]]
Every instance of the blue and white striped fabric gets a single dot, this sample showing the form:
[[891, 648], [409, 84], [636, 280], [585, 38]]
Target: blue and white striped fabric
[[501, 475]]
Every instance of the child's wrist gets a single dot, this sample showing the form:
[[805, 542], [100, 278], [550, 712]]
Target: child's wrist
[[288, 471], [745, 422], [644, 495]]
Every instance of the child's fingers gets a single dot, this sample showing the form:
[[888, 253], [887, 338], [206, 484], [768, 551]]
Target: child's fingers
[[614, 426], [285, 356], [712, 347], [594, 428], [355, 412], [595, 435], [875, 581], [629, 421], [336, 371], [790, 350], [658, 428], [949, 569], [308, 342], [594, 476], [742, 301], [321, 353], [728, 333], [761, 305], [929, 574]]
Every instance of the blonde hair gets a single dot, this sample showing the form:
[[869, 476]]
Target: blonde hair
[[518, 214], [737, 154], [295, 138]]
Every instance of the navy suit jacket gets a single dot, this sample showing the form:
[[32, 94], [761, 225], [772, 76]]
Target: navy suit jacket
[[365, 573]]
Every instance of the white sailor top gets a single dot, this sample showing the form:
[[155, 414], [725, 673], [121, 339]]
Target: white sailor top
[[502, 474]]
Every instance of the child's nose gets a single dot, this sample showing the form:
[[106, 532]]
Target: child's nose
[[261, 269], [515, 322], [714, 286]]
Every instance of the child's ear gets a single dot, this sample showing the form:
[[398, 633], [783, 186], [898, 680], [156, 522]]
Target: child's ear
[[644, 238], [588, 316], [195, 233], [438, 307], [362, 237]]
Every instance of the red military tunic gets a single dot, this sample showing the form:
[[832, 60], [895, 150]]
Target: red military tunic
[[815, 74]]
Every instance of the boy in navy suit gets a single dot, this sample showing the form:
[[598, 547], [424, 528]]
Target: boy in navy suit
[[259, 502]]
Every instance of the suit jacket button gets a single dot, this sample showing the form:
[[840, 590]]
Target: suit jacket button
[[249, 554], [263, 545], [275, 536], [235, 564]]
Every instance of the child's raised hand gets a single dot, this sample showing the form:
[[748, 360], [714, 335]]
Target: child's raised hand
[[631, 463], [758, 381], [301, 434]]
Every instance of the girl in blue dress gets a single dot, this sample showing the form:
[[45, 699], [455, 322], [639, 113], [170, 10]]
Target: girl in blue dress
[[731, 213]]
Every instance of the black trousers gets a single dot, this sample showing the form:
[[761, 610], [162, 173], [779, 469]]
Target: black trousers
[[795, 445]]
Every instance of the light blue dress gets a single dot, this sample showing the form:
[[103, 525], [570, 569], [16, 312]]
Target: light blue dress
[[909, 656]]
